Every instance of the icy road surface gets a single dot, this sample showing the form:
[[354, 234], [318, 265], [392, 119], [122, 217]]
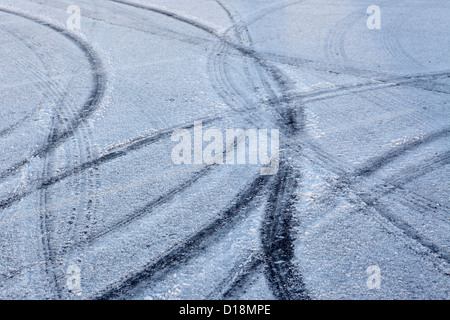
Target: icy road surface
[[92, 205]]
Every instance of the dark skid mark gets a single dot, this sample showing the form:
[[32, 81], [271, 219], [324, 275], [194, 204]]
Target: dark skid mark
[[285, 280], [190, 248]]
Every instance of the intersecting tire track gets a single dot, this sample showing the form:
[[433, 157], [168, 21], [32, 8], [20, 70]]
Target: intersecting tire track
[[285, 280], [347, 181], [251, 54], [283, 277], [84, 185], [408, 175], [288, 115], [181, 253], [75, 126], [228, 90], [55, 92], [335, 49], [347, 173], [273, 273], [48, 253], [95, 97], [111, 154], [82, 143]]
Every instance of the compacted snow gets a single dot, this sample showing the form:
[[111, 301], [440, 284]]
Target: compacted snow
[[97, 94]]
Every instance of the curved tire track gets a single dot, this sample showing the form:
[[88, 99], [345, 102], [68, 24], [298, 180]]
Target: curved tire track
[[95, 97], [285, 280]]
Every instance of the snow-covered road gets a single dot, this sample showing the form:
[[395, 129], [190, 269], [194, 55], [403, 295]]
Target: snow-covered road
[[94, 206]]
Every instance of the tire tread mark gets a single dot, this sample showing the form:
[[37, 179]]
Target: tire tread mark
[[284, 279], [149, 207], [97, 92], [184, 251], [371, 197], [238, 277], [112, 154]]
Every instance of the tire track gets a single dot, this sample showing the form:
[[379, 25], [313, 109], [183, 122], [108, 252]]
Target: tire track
[[274, 100], [414, 111], [145, 210], [284, 278], [420, 81], [278, 87], [95, 97], [375, 78], [378, 162], [288, 115], [46, 223], [96, 12], [236, 280], [348, 175], [392, 45], [40, 85], [335, 50], [189, 248], [223, 85], [47, 84], [90, 239], [349, 180], [84, 185], [334, 45], [247, 51], [231, 93], [50, 257], [372, 197], [322, 160], [170, 14], [261, 58], [46, 216], [113, 153]]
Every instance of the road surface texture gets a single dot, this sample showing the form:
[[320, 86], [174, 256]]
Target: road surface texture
[[92, 205]]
